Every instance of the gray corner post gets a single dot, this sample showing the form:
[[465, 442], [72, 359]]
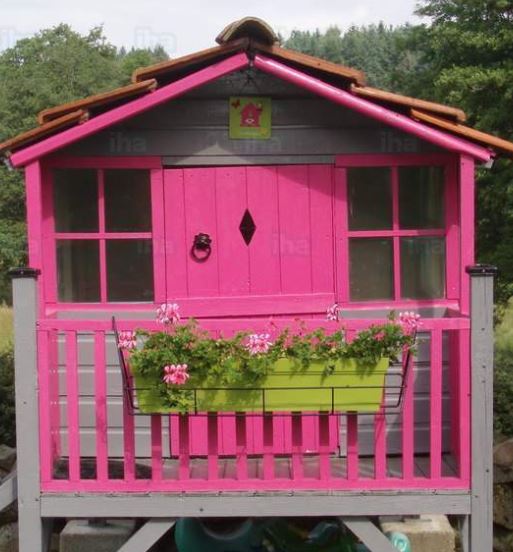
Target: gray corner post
[[481, 521], [31, 529]]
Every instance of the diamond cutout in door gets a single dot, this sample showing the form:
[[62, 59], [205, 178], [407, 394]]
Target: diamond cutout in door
[[247, 227]]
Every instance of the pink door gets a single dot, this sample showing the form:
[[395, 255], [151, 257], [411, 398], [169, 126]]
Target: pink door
[[271, 232]]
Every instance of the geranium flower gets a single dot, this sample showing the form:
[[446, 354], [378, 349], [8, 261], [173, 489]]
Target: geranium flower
[[409, 322], [333, 313], [175, 374], [380, 335], [258, 343], [127, 340], [168, 313]]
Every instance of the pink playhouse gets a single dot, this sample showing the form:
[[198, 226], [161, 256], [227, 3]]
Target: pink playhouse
[[336, 193]]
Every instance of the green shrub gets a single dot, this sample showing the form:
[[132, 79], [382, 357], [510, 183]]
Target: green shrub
[[503, 374], [7, 412]]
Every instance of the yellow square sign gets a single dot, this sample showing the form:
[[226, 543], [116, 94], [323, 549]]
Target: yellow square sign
[[250, 118]]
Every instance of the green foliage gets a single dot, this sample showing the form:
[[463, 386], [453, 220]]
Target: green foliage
[[7, 410], [55, 66], [503, 374], [375, 49], [230, 362], [466, 59]]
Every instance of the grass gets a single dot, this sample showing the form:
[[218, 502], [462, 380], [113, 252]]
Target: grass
[[5, 326]]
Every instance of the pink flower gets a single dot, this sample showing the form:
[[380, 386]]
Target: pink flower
[[333, 313], [127, 340], [168, 313], [258, 343], [379, 336], [175, 374], [409, 322]]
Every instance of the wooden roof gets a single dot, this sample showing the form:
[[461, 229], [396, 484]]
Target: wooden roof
[[250, 36]]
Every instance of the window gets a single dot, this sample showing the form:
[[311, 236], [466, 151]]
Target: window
[[103, 233], [396, 232]]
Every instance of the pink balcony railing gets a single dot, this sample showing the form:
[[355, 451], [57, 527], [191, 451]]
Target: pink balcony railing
[[87, 447]]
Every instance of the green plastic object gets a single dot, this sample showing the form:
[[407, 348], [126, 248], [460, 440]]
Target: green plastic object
[[191, 535], [285, 536], [289, 388], [400, 541]]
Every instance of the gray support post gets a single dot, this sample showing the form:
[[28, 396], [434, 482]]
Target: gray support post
[[369, 534], [31, 528], [481, 522], [148, 535]]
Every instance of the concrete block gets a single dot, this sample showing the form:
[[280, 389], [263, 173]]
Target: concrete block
[[9, 538], [426, 533], [81, 536]]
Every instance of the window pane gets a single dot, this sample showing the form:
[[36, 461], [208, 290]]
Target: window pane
[[75, 197], [422, 268], [369, 198], [78, 270], [129, 270], [127, 201], [371, 269], [421, 197]]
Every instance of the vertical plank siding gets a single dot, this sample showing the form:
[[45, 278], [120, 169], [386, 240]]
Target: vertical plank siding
[[247, 452]]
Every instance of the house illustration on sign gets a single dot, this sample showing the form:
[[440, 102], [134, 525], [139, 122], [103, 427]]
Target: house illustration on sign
[[250, 115]]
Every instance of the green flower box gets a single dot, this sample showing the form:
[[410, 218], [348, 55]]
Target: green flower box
[[352, 386]]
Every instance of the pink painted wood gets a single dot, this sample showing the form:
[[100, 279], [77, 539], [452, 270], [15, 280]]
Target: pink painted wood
[[45, 405], [156, 448], [380, 445], [435, 425], [100, 380], [370, 109], [352, 446], [408, 426], [72, 402], [464, 389], [128, 110], [184, 449], [467, 223]]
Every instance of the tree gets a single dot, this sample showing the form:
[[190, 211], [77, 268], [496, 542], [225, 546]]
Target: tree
[[466, 59], [374, 49], [55, 66]]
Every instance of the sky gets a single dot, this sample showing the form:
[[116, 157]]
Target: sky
[[189, 25]]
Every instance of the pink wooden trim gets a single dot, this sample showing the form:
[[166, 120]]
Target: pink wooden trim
[[395, 232], [467, 224], [45, 405], [408, 425], [156, 448], [100, 382], [102, 235], [395, 223], [351, 324], [380, 445], [220, 485], [158, 235], [35, 236], [352, 447], [72, 401], [72, 162], [393, 159], [55, 413], [452, 239], [435, 404], [340, 227], [369, 109], [464, 366], [102, 243], [130, 109]]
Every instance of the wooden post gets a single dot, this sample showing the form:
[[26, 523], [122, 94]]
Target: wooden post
[[481, 522], [31, 529]]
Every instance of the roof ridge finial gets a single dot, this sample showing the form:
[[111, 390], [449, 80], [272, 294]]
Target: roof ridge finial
[[248, 27]]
